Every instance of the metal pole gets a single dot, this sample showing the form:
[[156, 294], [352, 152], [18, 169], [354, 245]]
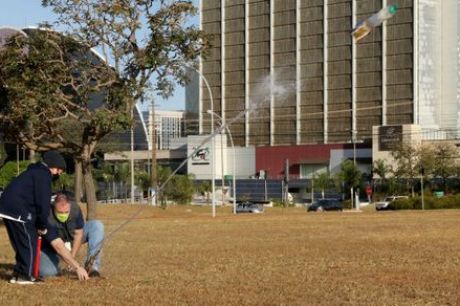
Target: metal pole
[[213, 156], [234, 161], [234, 171], [222, 164], [132, 155], [355, 197]]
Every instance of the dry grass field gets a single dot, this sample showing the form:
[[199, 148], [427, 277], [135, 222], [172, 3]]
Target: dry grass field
[[182, 256]]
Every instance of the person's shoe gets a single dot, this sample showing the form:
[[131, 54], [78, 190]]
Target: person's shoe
[[24, 280], [94, 273]]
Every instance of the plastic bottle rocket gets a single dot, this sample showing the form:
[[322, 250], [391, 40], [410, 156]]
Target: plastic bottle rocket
[[363, 28]]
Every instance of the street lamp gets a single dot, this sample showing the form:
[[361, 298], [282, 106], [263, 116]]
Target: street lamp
[[213, 174], [355, 198], [233, 159]]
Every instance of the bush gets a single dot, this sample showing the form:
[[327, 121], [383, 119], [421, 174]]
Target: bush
[[346, 204], [9, 171], [430, 202], [180, 189], [408, 203]]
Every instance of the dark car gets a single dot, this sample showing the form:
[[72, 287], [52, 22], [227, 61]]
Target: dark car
[[248, 207], [326, 204]]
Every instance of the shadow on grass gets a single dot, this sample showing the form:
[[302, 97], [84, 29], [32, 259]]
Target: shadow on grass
[[5, 271]]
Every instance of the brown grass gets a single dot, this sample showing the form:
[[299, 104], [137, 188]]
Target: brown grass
[[182, 256]]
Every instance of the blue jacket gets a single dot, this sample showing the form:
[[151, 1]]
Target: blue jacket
[[28, 196]]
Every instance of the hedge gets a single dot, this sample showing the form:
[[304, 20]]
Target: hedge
[[446, 202]]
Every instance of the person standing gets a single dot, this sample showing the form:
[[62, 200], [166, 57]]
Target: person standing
[[26, 203]]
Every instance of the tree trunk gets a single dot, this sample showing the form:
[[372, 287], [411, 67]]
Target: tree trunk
[[90, 190], [78, 186]]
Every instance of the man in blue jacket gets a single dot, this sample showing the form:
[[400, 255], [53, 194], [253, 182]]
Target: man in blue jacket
[[25, 204]]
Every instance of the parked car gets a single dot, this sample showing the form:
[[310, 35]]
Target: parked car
[[326, 204], [386, 203], [249, 207]]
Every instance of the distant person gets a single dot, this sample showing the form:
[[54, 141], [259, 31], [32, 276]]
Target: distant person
[[66, 223], [25, 206]]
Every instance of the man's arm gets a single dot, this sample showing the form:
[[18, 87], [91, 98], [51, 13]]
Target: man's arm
[[77, 241], [59, 247]]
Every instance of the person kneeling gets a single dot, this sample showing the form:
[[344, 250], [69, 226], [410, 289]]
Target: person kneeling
[[67, 223]]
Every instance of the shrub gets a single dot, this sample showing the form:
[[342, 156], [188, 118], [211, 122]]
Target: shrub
[[408, 203], [430, 202], [9, 171], [346, 204]]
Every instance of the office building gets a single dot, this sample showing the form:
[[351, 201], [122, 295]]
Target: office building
[[403, 72]]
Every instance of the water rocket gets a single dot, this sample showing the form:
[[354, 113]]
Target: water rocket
[[364, 27]]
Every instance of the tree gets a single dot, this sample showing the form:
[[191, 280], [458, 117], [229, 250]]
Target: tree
[[64, 182], [122, 175], [349, 174], [322, 181], [163, 173], [3, 154], [410, 160], [142, 180], [205, 188], [60, 96], [180, 189], [57, 79], [445, 161], [382, 170]]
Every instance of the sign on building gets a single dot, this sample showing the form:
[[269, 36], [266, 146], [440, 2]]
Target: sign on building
[[390, 137]]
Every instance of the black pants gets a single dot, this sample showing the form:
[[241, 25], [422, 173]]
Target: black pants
[[23, 238]]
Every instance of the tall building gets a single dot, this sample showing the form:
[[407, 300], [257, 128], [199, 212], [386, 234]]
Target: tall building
[[192, 107], [169, 125], [403, 72]]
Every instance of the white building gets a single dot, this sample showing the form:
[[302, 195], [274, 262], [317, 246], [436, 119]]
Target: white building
[[437, 50]]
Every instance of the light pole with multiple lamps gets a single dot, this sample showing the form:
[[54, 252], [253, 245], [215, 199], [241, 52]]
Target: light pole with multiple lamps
[[233, 159]]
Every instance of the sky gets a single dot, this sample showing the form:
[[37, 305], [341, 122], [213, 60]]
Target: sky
[[24, 13]]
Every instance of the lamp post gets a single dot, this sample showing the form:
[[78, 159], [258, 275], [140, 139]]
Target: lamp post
[[355, 197], [213, 174], [233, 160]]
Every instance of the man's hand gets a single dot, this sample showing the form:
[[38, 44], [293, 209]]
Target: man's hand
[[42, 232], [81, 273]]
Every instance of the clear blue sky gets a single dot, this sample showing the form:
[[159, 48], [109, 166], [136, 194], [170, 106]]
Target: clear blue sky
[[23, 13]]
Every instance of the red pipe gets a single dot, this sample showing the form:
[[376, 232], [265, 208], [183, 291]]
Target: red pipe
[[37, 256]]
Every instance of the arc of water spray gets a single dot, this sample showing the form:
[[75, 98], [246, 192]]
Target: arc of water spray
[[273, 88]]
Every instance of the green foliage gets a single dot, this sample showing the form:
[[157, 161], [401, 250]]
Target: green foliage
[[10, 170], [430, 202], [349, 174], [381, 169], [445, 162], [142, 180], [65, 182], [346, 204], [205, 188], [180, 189], [322, 182]]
